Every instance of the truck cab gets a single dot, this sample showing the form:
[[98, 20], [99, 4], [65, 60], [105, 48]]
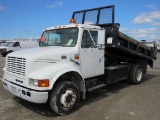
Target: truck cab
[[84, 41]]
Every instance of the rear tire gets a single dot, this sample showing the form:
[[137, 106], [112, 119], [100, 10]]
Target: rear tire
[[136, 74], [64, 98]]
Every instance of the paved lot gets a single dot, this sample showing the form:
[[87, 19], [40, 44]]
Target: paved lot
[[119, 101]]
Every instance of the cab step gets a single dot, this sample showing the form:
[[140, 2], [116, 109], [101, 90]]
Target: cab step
[[95, 87]]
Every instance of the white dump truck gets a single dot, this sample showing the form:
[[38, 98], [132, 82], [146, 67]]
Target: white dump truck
[[85, 55]]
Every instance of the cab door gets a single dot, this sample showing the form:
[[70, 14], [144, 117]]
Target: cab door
[[91, 56]]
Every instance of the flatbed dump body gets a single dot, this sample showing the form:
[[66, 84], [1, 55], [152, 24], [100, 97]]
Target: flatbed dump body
[[117, 44], [125, 48]]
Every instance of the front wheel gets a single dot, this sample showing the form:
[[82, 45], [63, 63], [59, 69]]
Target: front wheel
[[136, 74], [64, 98]]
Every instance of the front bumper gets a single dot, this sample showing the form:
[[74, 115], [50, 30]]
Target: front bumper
[[24, 93]]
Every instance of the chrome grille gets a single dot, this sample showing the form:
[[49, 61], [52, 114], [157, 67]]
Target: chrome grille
[[16, 65]]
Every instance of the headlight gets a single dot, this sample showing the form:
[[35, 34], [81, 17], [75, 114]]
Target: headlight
[[39, 83], [35, 82]]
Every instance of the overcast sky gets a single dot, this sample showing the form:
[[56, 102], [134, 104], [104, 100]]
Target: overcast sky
[[139, 19]]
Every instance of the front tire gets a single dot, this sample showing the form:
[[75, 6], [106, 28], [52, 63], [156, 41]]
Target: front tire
[[136, 74], [64, 98]]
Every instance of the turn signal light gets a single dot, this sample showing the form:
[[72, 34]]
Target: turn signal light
[[76, 57], [42, 39], [43, 83]]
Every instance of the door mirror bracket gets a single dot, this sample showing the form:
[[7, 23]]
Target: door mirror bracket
[[101, 46]]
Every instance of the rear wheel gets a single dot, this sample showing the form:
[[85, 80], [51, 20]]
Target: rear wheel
[[64, 98], [136, 74]]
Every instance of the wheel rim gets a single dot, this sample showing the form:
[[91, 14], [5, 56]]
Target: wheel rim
[[68, 99], [139, 75]]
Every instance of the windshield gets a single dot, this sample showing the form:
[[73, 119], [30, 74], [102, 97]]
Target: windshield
[[9, 44], [60, 37]]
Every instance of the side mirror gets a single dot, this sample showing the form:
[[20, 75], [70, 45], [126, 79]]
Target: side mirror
[[101, 37]]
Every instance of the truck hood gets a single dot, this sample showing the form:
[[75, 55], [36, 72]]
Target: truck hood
[[42, 57], [34, 62], [32, 52]]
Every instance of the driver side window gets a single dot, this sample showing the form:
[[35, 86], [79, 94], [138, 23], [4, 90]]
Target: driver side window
[[87, 40]]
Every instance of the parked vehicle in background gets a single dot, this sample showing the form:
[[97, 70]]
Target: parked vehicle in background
[[157, 44], [3, 42], [12, 46], [152, 44]]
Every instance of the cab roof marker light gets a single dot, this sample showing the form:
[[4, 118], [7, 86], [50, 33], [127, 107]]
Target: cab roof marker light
[[72, 21]]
